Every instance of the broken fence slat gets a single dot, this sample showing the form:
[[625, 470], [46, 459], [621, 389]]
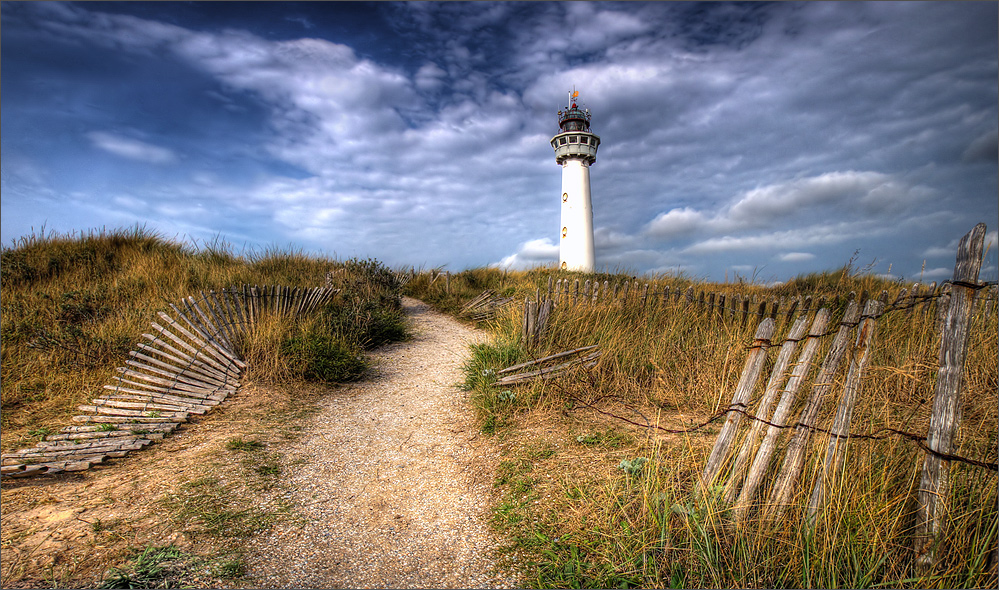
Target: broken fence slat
[[798, 373], [829, 475], [740, 398], [547, 358], [509, 380], [794, 457]]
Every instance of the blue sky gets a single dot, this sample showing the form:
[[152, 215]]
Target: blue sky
[[738, 140]]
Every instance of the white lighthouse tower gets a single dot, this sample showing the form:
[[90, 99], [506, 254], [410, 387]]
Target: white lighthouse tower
[[575, 149]]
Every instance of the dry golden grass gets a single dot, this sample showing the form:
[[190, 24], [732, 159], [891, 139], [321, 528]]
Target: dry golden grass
[[578, 519], [74, 305]]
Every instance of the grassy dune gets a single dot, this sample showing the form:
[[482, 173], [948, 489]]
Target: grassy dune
[[586, 498], [74, 305], [580, 517]]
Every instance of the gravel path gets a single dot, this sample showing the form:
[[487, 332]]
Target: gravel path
[[394, 478]]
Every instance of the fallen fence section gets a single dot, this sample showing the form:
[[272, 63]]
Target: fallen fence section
[[186, 366], [485, 306], [585, 362]]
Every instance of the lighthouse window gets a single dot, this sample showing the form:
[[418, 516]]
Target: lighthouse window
[[561, 141], [573, 139], [583, 140], [555, 144]]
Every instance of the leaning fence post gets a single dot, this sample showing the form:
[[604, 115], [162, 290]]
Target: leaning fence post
[[794, 458], [933, 484], [530, 317], [799, 371], [743, 391], [838, 435], [777, 377]]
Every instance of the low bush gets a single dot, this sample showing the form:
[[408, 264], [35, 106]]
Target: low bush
[[324, 358]]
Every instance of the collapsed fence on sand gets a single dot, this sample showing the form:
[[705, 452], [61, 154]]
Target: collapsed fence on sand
[[189, 366]]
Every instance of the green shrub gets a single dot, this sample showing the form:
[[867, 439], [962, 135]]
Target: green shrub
[[324, 358]]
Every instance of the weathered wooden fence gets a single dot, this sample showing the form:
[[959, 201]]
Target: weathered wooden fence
[[747, 449], [734, 473], [187, 365], [918, 301]]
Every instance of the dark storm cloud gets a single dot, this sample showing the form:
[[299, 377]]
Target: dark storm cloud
[[735, 135]]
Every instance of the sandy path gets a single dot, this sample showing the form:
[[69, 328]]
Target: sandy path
[[393, 478]]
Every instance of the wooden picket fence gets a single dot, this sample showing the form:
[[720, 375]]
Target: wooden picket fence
[[746, 451], [740, 480], [187, 365], [917, 301]]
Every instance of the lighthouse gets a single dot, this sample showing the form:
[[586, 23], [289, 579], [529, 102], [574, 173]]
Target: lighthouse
[[575, 150]]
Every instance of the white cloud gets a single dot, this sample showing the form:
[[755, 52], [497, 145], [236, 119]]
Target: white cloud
[[816, 235], [538, 252], [133, 149], [938, 273], [773, 204], [430, 77], [676, 223], [795, 257]]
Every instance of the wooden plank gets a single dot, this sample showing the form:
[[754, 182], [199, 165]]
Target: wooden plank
[[161, 427], [118, 412], [204, 307], [213, 349], [174, 381], [794, 458], [30, 470], [221, 318], [544, 312], [188, 372], [105, 419], [187, 402], [140, 406], [188, 364], [71, 448], [510, 380], [829, 476], [774, 382], [94, 446], [200, 396], [170, 384], [200, 354], [740, 399], [943, 306], [934, 483], [233, 312], [250, 303], [798, 373], [186, 405], [180, 372], [99, 435], [209, 335], [547, 358]]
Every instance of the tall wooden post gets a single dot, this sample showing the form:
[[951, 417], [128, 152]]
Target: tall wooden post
[[933, 485]]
